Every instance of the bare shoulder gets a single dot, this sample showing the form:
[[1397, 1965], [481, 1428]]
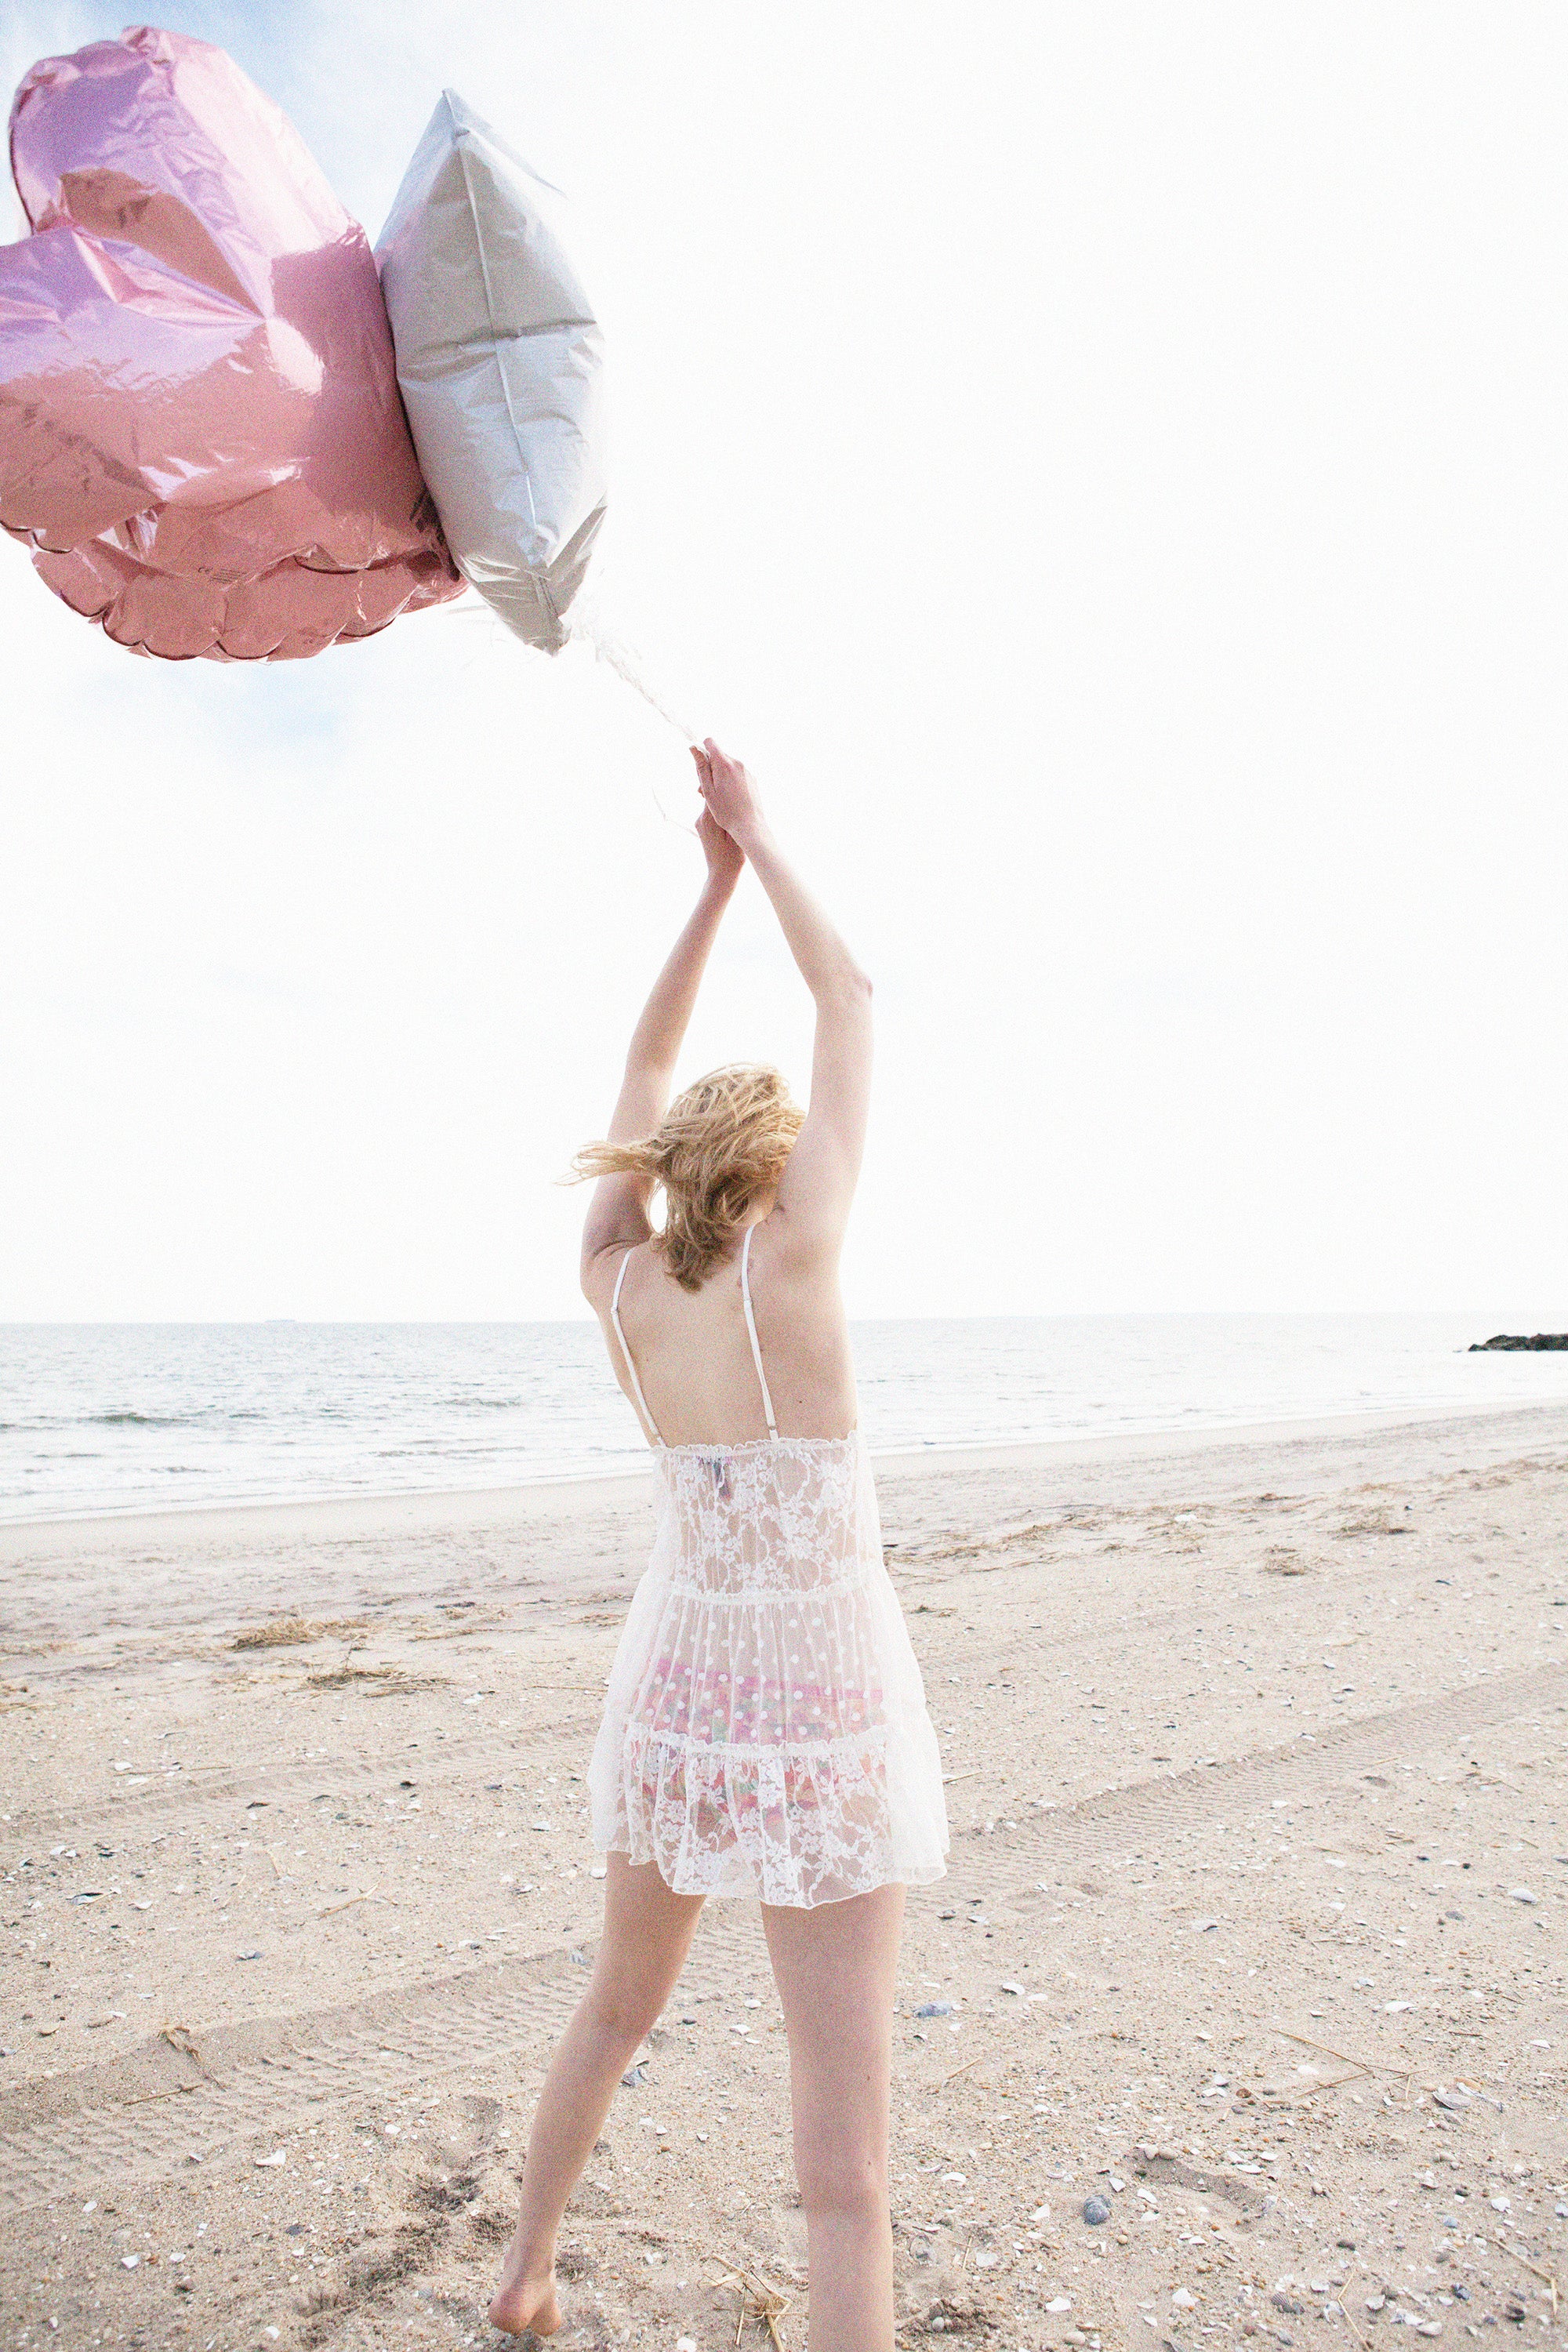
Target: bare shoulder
[[600, 1273], [795, 1255], [802, 1333]]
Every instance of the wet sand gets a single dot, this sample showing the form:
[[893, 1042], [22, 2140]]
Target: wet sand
[[1255, 1926]]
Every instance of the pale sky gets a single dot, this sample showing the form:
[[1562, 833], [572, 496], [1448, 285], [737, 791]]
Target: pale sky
[[1102, 467]]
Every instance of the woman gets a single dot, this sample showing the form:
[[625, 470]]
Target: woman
[[765, 1733]]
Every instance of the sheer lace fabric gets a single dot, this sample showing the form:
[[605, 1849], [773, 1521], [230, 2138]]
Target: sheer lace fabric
[[766, 1732]]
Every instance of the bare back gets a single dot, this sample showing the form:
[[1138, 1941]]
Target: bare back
[[693, 1354]]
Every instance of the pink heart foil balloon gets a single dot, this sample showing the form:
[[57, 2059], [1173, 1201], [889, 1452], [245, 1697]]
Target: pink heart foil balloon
[[201, 436]]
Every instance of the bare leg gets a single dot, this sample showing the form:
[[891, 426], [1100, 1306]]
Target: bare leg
[[648, 1934], [835, 1966]]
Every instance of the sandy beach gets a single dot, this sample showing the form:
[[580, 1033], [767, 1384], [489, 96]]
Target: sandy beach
[[1255, 1926]]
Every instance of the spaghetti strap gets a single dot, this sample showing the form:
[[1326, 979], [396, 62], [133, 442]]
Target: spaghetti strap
[[651, 1427], [751, 1328]]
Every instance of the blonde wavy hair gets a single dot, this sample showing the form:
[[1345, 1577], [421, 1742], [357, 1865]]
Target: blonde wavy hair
[[719, 1146]]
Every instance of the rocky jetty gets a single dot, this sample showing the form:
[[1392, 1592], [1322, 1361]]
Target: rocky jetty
[[1538, 1341]]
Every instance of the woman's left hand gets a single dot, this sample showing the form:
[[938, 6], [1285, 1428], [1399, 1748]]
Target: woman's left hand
[[724, 855]]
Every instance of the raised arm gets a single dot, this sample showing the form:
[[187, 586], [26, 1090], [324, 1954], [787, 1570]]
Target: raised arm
[[819, 1180], [617, 1206]]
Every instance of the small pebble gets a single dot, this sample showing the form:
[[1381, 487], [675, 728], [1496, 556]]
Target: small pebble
[[1523, 1894], [934, 2009], [1095, 2211]]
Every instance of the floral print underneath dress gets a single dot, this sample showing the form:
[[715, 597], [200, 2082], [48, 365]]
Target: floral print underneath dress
[[766, 1731]]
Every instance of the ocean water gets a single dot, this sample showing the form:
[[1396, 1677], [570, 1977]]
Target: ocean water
[[129, 1417]]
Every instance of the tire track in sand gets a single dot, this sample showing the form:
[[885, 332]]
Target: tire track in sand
[[232, 1786], [235, 2088], [1116, 1820]]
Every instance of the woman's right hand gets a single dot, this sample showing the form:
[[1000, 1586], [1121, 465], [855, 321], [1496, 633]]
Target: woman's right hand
[[727, 790]]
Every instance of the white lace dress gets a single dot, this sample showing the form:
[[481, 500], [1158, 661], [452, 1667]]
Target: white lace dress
[[765, 1732]]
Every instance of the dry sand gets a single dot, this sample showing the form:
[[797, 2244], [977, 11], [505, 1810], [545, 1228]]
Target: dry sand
[[1255, 1926]]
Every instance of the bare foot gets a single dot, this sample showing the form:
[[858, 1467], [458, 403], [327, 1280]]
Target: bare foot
[[522, 2302]]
